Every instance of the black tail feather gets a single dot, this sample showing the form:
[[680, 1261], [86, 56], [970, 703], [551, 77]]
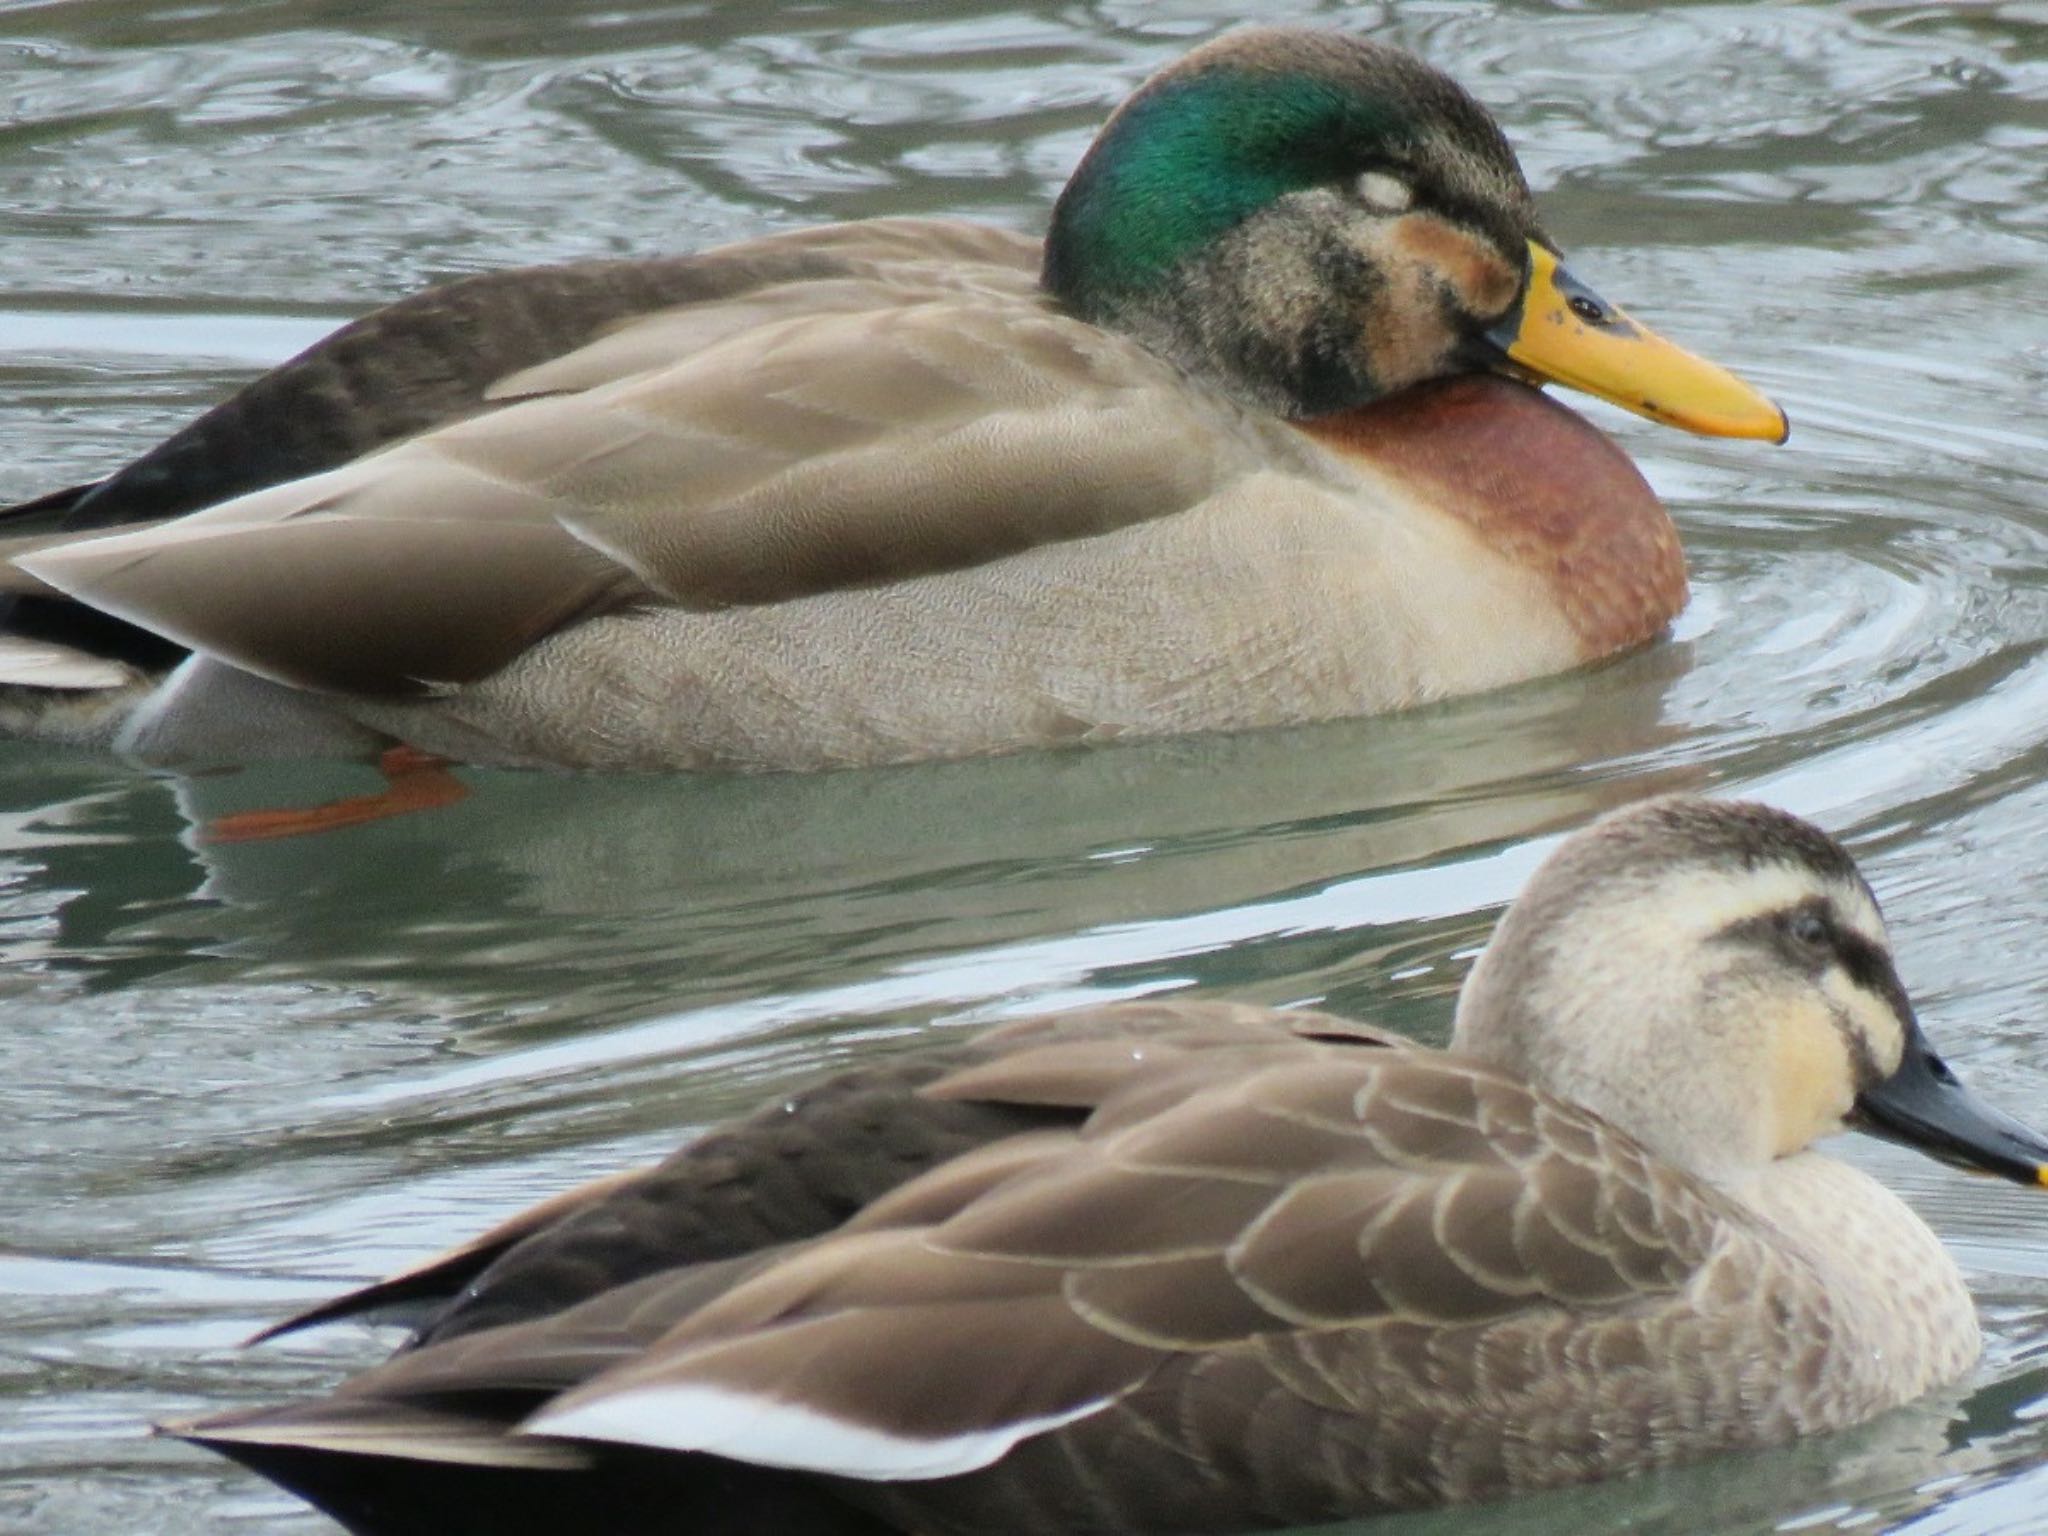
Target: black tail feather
[[631, 1492], [65, 622], [86, 629], [46, 514]]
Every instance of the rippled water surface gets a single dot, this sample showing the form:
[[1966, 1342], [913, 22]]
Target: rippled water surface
[[232, 1079]]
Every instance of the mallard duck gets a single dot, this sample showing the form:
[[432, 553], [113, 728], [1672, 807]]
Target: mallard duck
[[1186, 1266], [1248, 441]]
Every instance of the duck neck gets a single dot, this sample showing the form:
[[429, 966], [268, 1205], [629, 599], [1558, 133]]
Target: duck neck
[[1251, 311]]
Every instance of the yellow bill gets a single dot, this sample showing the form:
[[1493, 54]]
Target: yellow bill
[[1562, 332]]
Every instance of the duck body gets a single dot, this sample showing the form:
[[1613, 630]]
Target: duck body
[[1311, 584], [901, 489], [1204, 1267]]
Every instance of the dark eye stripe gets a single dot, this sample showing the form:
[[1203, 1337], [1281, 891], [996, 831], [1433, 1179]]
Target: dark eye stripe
[[1870, 967], [1866, 964], [1773, 930], [1864, 1071]]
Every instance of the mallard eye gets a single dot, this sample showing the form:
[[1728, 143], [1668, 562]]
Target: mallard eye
[[1383, 193]]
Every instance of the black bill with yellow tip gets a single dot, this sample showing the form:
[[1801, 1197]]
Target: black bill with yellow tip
[[1924, 1105], [1561, 331]]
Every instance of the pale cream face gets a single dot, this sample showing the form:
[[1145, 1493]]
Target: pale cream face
[[1830, 1039], [1825, 1034], [1814, 1079], [1725, 1015]]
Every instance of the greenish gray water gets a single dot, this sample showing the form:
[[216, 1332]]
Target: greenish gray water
[[232, 1080]]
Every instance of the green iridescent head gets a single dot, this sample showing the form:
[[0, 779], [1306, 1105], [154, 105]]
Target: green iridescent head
[[1309, 221], [1272, 161]]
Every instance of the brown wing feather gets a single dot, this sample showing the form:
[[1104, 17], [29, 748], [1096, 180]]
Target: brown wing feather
[[326, 600], [877, 426], [1086, 1058], [848, 1148], [445, 353], [445, 1275], [1380, 1196], [1319, 1231]]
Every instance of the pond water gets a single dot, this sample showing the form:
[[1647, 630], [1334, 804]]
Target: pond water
[[233, 1079]]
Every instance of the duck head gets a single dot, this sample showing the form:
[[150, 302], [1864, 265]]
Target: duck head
[[1312, 220], [1715, 979]]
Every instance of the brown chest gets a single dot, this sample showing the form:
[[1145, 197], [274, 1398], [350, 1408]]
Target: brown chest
[[1538, 484]]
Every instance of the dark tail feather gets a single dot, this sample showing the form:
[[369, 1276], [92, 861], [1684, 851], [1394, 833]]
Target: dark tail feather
[[46, 514], [60, 621], [629, 1492], [409, 1298]]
